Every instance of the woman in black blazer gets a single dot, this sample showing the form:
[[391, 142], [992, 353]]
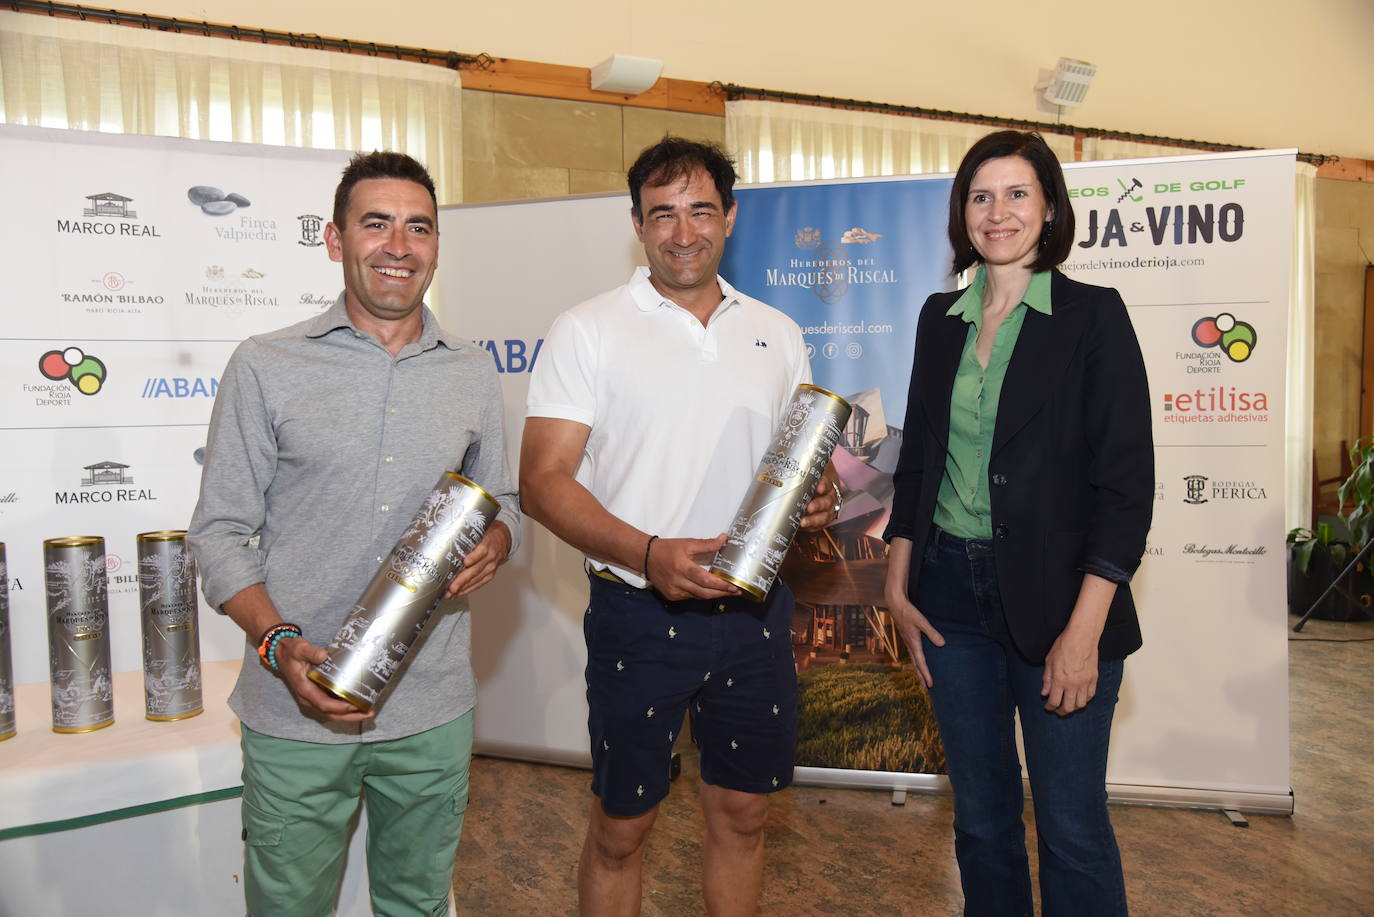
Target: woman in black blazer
[[1023, 497]]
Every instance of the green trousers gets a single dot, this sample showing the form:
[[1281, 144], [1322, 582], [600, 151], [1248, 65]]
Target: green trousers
[[298, 801]]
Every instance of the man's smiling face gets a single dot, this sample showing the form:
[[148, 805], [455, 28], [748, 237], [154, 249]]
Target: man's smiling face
[[683, 228], [388, 245]]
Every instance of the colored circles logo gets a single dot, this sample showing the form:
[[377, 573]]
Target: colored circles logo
[[85, 372], [1235, 338]]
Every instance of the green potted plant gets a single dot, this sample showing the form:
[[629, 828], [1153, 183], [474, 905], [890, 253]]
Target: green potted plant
[[1316, 558], [1358, 492]]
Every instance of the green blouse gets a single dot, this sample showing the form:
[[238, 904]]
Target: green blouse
[[963, 508]]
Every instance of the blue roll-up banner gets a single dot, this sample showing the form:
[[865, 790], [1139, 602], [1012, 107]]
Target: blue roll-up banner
[[852, 263]]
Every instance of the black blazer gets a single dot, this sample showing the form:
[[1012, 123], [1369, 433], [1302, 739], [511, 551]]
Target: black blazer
[[1071, 474]]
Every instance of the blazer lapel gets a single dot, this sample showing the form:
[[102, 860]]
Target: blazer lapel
[[938, 364], [1043, 349]]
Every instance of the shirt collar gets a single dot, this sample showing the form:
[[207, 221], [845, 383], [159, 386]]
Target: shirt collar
[[969, 305], [647, 298], [336, 316]]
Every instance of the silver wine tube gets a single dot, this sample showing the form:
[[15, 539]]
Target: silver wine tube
[[7, 728], [171, 626], [78, 633], [772, 510], [394, 607]]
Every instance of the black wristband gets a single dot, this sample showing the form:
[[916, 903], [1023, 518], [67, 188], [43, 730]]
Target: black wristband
[[647, 546]]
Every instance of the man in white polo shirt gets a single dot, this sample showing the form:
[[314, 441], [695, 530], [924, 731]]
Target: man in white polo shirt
[[648, 412]]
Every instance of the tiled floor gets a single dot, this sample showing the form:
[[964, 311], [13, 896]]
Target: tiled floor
[[850, 852]]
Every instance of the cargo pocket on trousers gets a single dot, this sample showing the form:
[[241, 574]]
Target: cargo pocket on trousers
[[261, 829]]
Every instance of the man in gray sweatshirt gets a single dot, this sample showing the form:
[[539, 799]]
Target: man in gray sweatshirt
[[326, 438]]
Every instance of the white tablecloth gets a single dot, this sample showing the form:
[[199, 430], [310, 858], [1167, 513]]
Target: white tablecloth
[[46, 776]]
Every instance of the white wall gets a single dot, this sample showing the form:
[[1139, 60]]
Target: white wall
[[1267, 73]]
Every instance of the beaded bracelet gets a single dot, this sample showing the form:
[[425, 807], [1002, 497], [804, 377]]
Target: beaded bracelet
[[272, 642], [267, 644], [278, 637]]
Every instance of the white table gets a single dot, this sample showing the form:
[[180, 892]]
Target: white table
[[139, 817]]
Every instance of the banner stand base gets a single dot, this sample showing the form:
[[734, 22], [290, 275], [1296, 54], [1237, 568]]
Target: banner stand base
[[1276, 802]]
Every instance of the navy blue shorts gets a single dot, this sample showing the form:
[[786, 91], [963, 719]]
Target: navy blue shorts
[[648, 658]]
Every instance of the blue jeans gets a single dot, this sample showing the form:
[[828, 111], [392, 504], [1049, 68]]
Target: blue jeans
[[981, 682]]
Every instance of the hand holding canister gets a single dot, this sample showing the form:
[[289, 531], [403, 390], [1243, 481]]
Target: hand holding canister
[[771, 513], [393, 609]]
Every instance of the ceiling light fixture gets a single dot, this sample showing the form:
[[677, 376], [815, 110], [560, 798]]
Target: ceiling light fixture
[[626, 75], [1070, 83]]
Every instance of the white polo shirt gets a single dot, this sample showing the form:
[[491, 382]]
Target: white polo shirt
[[680, 414]]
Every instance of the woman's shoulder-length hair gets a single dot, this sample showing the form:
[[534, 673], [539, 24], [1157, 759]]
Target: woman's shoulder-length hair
[[1056, 237]]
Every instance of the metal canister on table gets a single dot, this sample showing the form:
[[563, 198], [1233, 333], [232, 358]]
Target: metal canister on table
[[7, 725], [78, 633], [393, 609], [772, 509], [171, 626]]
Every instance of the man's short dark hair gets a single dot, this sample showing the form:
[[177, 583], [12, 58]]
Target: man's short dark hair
[[674, 159], [1056, 236], [378, 164]]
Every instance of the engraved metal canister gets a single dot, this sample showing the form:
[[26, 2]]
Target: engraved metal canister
[[7, 727], [171, 626], [394, 607], [772, 509], [78, 633]]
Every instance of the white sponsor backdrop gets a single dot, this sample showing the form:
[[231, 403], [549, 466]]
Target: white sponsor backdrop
[[1187, 240], [510, 269], [1203, 717], [159, 292]]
